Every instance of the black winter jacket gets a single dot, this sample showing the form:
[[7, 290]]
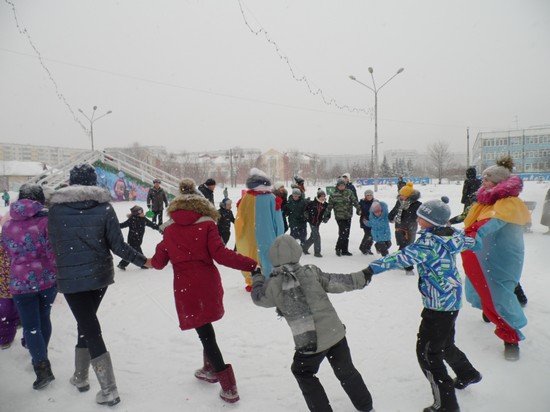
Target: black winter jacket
[[136, 225], [83, 229], [314, 212], [470, 188], [207, 193], [408, 216], [225, 220]]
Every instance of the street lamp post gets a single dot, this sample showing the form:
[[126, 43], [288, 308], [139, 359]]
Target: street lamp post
[[92, 120], [375, 90]]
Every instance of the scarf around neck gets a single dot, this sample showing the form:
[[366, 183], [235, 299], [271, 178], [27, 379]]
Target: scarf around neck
[[295, 309], [404, 205]]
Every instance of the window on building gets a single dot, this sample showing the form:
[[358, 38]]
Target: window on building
[[515, 140]]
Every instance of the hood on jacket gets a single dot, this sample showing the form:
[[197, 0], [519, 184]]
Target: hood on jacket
[[78, 193], [285, 250], [194, 203], [510, 187], [471, 173], [24, 209]]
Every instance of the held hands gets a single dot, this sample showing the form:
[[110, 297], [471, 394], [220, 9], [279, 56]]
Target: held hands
[[368, 272], [148, 263], [257, 271]]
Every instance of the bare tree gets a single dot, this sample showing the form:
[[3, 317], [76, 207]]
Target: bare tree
[[439, 155]]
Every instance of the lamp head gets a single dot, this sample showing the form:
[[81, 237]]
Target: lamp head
[[109, 112], [370, 70], [95, 108], [352, 77], [400, 70]]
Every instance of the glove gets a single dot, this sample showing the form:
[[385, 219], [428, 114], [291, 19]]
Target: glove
[[368, 272], [326, 219], [257, 271]]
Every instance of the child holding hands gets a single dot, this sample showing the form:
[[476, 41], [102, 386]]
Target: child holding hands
[[434, 253]]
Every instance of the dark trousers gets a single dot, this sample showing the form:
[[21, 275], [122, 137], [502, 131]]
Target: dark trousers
[[299, 233], [123, 263], [84, 306], [34, 311], [367, 242], [314, 239], [383, 247], [9, 319], [405, 237], [344, 226], [305, 368], [157, 215], [436, 344], [225, 237], [211, 350]]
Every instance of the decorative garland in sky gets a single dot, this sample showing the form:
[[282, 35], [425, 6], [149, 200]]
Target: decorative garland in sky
[[303, 79]]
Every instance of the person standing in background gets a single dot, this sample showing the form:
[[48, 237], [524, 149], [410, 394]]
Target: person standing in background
[[156, 201], [207, 189]]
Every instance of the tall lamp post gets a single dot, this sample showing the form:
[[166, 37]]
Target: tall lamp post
[[375, 90], [92, 120]]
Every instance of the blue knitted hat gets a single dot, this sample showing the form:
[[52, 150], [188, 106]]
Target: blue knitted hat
[[436, 212]]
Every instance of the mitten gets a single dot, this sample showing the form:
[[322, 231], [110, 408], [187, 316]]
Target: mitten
[[368, 272], [257, 271]]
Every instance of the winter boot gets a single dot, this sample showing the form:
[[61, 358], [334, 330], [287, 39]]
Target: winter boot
[[206, 373], [462, 383], [511, 351], [229, 387], [103, 368], [81, 368], [44, 374], [435, 408], [520, 294]]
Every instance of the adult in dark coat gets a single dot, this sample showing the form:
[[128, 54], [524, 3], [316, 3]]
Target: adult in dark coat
[[545, 218], [156, 201], [207, 189], [296, 219], [192, 244], [404, 216], [83, 229], [136, 223], [470, 188]]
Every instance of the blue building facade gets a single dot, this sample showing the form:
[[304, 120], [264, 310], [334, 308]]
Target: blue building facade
[[529, 148]]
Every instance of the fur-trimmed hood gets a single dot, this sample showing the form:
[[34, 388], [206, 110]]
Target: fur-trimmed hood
[[193, 203], [78, 193], [510, 187]]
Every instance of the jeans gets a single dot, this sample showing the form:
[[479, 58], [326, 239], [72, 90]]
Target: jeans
[[84, 306], [34, 310], [299, 233], [314, 239]]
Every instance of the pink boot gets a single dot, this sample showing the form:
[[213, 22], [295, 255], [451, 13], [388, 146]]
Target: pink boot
[[229, 386], [206, 373]]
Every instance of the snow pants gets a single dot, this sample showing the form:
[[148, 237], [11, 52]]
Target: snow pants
[[342, 244], [436, 344], [305, 367]]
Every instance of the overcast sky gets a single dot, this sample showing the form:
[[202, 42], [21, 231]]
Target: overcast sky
[[191, 75]]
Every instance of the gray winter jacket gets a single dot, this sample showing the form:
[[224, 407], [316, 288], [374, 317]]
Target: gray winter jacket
[[315, 284], [83, 228]]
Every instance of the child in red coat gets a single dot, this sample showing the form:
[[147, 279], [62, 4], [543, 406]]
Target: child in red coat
[[192, 243]]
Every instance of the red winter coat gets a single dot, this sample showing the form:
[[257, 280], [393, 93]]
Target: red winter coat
[[192, 243]]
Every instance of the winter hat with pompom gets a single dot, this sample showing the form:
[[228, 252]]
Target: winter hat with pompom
[[436, 212], [499, 172], [258, 180], [136, 210], [407, 190], [32, 192], [320, 192], [188, 186], [83, 174]]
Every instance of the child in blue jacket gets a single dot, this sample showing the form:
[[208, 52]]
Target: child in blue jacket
[[379, 224], [434, 253]]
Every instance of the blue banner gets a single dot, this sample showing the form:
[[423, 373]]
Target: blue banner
[[392, 181]]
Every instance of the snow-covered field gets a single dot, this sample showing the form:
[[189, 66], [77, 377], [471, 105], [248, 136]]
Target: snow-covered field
[[154, 361]]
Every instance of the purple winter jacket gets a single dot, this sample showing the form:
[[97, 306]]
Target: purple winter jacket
[[25, 239]]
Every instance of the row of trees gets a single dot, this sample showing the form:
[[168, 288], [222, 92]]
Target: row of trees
[[237, 162]]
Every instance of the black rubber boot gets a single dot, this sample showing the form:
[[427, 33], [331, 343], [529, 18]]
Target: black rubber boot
[[44, 374]]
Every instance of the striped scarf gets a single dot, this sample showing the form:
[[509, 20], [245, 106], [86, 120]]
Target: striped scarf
[[296, 310]]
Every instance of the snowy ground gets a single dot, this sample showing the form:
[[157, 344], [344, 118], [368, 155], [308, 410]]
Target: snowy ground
[[154, 361]]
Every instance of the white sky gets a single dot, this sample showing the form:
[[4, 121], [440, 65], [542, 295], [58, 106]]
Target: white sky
[[190, 75]]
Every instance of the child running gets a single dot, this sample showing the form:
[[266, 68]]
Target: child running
[[300, 295], [434, 253]]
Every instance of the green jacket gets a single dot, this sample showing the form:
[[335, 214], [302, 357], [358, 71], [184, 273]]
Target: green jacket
[[343, 202], [295, 212]]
